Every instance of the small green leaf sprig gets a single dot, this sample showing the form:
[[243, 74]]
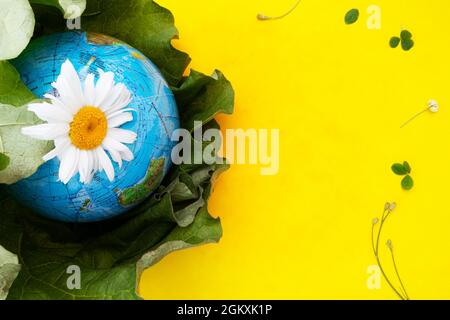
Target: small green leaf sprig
[[388, 209], [404, 169], [405, 40]]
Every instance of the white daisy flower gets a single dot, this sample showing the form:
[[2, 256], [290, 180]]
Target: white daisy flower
[[83, 122]]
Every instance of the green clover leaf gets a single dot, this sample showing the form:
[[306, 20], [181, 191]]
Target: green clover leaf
[[351, 16]]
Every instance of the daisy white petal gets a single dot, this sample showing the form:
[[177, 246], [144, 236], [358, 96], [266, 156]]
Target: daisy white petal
[[127, 155], [103, 87], [119, 106], [77, 161], [115, 155], [83, 165], [72, 79], [58, 150], [69, 87], [48, 131], [105, 163], [114, 96], [58, 103], [119, 120], [65, 98], [69, 164], [123, 99], [116, 113], [60, 140], [89, 90], [123, 150], [91, 164], [122, 135], [50, 113], [86, 166], [96, 166]]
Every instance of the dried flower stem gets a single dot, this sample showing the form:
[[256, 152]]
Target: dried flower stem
[[414, 117], [263, 17], [375, 246], [398, 274]]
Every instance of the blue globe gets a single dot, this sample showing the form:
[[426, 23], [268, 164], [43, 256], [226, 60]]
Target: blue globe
[[155, 118]]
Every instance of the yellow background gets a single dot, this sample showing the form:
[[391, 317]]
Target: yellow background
[[338, 94]]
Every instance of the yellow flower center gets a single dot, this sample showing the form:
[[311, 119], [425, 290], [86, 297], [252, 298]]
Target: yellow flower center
[[88, 128]]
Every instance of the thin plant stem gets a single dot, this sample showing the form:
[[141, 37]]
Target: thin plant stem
[[379, 230], [263, 17], [415, 116], [373, 243], [398, 274], [387, 215], [377, 245], [387, 280]]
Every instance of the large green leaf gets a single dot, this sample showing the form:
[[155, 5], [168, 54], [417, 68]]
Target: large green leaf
[[201, 98], [9, 269], [21, 155], [24, 153], [16, 27], [12, 89], [70, 8], [111, 255], [145, 25]]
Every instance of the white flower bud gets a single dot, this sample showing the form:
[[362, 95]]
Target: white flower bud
[[433, 106], [392, 206], [389, 244]]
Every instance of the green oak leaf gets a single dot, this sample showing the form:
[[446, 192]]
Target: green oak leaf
[[407, 183], [351, 16], [16, 27], [145, 25], [9, 269], [4, 161], [71, 9], [394, 42], [12, 89], [399, 169], [25, 153]]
